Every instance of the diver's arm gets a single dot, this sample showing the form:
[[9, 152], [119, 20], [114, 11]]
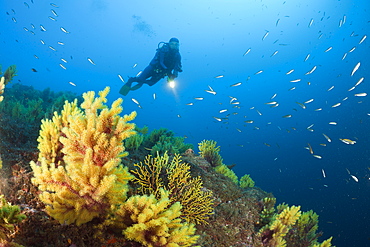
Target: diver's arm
[[161, 60], [178, 66]]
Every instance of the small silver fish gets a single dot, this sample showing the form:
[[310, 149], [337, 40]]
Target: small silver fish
[[352, 49], [359, 81], [266, 34], [273, 54], [355, 68], [312, 70], [308, 55], [120, 77], [271, 103], [64, 30], [211, 92], [323, 173], [331, 88], [349, 90], [72, 83], [328, 49], [91, 61], [310, 24], [236, 84], [360, 94], [258, 72], [289, 72], [297, 80], [245, 53], [362, 40], [61, 65], [310, 148], [326, 137], [54, 13], [354, 178], [219, 76], [135, 101], [336, 105]]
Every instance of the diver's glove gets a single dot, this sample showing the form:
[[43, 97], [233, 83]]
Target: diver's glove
[[175, 74], [171, 77]]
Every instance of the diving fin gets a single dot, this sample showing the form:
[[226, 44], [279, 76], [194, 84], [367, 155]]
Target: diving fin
[[125, 89]]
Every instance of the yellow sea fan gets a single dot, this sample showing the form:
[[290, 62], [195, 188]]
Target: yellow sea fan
[[290, 215], [210, 152], [279, 228], [79, 171], [153, 222], [197, 203], [2, 86]]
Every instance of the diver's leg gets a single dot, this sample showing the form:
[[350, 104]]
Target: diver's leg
[[155, 78], [142, 77], [147, 72], [137, 86]]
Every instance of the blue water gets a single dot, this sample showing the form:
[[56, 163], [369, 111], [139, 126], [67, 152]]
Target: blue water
[[214, 36]]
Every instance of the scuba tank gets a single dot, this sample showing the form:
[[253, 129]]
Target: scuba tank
[[162, 45]]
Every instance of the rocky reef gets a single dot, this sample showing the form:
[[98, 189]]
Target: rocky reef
[[91, 178]]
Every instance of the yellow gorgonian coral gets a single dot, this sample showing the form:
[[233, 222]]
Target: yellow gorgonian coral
[[49, 145], [155, 222], [147, 174], [326, 243], [290, 215], [79, 170], [2, 87], [210, 152], [196, 201]]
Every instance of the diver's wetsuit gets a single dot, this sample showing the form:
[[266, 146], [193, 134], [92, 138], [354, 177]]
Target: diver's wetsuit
[[164, 62]]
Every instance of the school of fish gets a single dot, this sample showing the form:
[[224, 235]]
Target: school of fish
[[234, 105]]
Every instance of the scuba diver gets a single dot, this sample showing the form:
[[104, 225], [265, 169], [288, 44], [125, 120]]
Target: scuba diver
[[166, 62]]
